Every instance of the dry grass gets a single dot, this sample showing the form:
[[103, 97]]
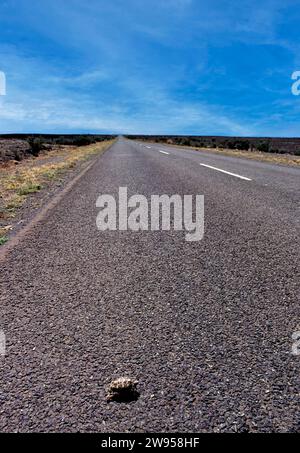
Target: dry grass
[[30, 176], [281, 159]]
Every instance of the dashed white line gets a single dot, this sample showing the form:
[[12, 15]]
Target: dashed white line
[[149, 147], [227, 172], [163, 152]]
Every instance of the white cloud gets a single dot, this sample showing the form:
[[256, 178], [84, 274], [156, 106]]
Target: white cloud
[[119, 80], [166, 116]]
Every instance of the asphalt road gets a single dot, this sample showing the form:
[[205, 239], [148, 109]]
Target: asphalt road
[[205, 327]]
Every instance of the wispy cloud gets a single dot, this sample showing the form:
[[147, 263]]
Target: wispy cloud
[[179, 66]]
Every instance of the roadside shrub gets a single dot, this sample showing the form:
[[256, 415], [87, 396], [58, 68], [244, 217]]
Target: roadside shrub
[[83, 140], [278, 151], [230, 145], [62, 141], [18, 156], [242, 145], [36, 145], [264, 147], [29, 189], [185, 142]]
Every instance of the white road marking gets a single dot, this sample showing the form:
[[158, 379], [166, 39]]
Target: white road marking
[[149, 147], [227, 172], [163, 152]]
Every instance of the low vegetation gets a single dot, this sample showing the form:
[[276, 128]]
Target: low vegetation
[[282, 159], [21, 146], [36, 145], [252, 144], [3, 239], [252, 148], [18, 181]]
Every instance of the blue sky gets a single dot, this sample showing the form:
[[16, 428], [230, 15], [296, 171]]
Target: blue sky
[[150, 66]]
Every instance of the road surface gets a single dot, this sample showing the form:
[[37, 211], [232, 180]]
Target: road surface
[[205, 327]]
